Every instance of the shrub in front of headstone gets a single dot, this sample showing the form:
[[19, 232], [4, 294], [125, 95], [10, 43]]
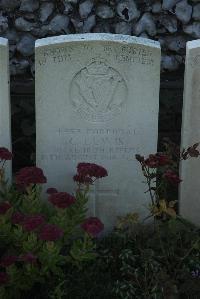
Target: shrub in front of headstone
[[39, 239], [156, 261], [160, 259], [160, 171]]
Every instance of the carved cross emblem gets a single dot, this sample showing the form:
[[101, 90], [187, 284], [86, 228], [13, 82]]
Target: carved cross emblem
[[97, 193]]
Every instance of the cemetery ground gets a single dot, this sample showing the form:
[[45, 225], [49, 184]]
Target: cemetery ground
[[53, 250], [98, 216]]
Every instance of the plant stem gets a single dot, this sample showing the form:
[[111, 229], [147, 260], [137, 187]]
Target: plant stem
[[149, 184]]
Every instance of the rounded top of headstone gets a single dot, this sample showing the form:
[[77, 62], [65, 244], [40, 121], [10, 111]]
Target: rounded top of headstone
[[3, 41], [126, 39], [193, 44]]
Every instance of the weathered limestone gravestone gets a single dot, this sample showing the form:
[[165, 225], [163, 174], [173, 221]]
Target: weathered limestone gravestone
[[190, 169], [5, 128], [97, 99]]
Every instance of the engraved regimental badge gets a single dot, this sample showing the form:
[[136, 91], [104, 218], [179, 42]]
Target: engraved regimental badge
[[98, 92]]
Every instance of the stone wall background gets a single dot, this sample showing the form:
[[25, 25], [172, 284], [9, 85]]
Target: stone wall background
[[171, 22]]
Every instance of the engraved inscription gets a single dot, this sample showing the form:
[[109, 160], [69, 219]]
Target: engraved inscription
[[92, 145], [121, 54], [135, 55], [98, 92]]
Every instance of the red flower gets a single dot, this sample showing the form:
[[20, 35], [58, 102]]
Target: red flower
[[5, 154], [163, 159], [62, 200], [4, 207], [31, 223], [159, 159], [17, 218], [51, 190], [83, 179], [172, 177], [93, 226], [30, 175], [50, 232], [152, 161], [28, 258], [4, 278], [91, 170], [8, 260], [88, 172]]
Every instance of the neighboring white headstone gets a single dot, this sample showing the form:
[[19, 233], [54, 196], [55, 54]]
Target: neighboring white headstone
[[190, 169], [5, 127], [97, 100]]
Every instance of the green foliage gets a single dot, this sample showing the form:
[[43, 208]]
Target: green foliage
[[44, 267], [155, 260], [160, 172]]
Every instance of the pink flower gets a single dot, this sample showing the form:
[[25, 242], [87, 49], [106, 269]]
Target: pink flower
[[50, 232], [172, 177], [8, 260], [28, 258], [30, 175], [154, 161], [62, 200], [31, 223], [4, 278], [91, 170], [5, 154], [17, 218], [51, 190], [88, 172], [163, 159], [93, 226], [81, 179], [151, 161], [4, 207]]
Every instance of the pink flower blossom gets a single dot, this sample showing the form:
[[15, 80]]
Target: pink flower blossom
[[163, 159], [8, 260], [62, 200], [28, 258], [172, 177], [17, 218], [30, 175], [93, 226], [31, 223], [50, 232], [5, 154], [91, 170], [4, 278], [81, 179], [4, 207]]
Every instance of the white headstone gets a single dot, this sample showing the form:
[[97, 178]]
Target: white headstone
[[5, 128], [190, 169], [97, 100]]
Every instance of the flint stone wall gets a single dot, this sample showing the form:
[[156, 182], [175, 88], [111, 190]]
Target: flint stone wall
[[172, 22]]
